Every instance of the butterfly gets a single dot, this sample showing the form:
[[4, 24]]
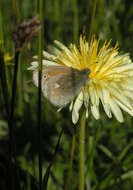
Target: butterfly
[[60, 84]]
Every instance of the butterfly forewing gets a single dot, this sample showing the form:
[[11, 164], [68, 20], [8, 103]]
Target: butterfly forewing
[[48, 72]]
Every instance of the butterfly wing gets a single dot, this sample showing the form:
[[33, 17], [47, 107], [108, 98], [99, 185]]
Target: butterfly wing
[[48, 72], [62, 84]]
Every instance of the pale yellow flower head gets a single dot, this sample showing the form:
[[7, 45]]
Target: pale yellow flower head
[[110, 79]]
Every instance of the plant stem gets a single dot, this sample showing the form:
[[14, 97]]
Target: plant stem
[[11, 123], [4, 83], [3, 75], [92, 19], [82, 151], [75, 21], [16, 10], [40, 40], [57, 17], [69, 181], [48, 170]]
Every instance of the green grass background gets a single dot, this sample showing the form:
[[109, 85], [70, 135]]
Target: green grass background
[[108, 144]]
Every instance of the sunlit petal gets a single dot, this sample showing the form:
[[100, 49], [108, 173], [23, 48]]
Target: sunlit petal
[[77, 105], [95, 111], [116, 110]]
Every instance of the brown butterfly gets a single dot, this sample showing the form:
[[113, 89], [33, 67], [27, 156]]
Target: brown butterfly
[[60, 84]]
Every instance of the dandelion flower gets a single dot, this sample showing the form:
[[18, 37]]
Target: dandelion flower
[[110, 79]]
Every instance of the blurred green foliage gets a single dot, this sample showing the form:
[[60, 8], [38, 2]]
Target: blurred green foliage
[[109, 144]]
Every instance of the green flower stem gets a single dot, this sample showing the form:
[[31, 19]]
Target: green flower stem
[[69, 181], [82, 151], [40, 48]]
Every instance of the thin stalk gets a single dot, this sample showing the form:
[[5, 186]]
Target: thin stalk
[[4, 83], [47, 173], [36, 7], [82, 151], [1, 32], [91, 157], [4, 70], [57, 17], [75, 21], [11, 121], [20, 93], [12, 146], [40, 48], [3, 75], [16, 10], [92, 19], [68, 186]]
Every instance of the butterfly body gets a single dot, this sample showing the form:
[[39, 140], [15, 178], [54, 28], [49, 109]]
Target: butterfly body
[[60, 84]]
